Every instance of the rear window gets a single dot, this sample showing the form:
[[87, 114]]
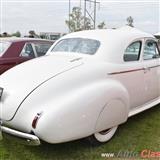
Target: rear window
[[3, 47], [77, 45], [41, 48]]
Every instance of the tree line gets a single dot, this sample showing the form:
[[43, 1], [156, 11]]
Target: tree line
[[76, 22]]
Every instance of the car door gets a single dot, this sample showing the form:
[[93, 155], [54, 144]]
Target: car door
[[10, 57], [18, 52], [151, 70], [133, 77]]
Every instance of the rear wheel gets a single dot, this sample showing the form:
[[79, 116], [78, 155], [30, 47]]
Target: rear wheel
[[103, 136]]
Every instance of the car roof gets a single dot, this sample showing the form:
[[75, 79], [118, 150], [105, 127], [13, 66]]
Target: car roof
[[113, 41], [157, 34], [125, 32], [17, 39]]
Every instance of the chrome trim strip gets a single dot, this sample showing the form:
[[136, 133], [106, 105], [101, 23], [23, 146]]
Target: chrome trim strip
[[134, 70]]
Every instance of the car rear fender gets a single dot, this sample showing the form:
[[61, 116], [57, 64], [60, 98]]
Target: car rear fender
[[116, 109], [84, 111]]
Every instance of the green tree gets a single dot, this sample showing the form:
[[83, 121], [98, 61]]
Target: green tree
[[130, 21], [17, 34], [76, 22], [32, 34], [102, 25], [5, 34]]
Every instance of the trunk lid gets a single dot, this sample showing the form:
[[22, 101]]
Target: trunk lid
[[19, 81]]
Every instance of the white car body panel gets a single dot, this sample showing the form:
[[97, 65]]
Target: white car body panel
[[47, 71], [78, 95]]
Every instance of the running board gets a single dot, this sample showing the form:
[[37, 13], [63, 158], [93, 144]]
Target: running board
[[143, 108]]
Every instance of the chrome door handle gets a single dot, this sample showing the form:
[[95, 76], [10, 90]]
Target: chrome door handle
[[146, 69]]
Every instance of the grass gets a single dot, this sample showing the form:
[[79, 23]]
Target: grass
[[138, 133]]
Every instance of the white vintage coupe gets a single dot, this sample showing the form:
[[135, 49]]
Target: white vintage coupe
[[88, 83]]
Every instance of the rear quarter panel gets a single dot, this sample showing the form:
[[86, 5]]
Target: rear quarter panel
[[71, 104]]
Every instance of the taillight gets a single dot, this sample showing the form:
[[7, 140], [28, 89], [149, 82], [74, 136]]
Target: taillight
[[35, 120], [1, 92]]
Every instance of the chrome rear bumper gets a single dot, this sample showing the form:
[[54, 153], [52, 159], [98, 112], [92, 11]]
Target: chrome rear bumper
[[25, 138]]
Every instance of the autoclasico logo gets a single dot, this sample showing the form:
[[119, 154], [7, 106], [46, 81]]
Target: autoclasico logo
[[146, 153], [150, 154]]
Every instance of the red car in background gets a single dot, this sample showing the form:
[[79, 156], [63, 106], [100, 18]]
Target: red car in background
[[14, 51]]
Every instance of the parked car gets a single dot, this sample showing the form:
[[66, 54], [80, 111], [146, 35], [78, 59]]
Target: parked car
[[14, 51], [157, 35], [89, 83]]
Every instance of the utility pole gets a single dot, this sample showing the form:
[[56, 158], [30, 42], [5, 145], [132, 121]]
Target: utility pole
[[92, 15], [69, 11], [95, 3], [80, 4], [84, 14]]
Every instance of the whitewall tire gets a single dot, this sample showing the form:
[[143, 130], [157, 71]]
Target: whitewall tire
[[103, 136]]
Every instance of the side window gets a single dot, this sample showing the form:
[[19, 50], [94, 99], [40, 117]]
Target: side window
[[132, 53], [150, 50], [159, 45], [41, 48], [27, 51]]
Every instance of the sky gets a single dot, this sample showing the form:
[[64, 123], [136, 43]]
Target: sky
[[50, 15]]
